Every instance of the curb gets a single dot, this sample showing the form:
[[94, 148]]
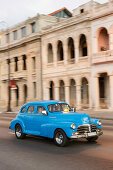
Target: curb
[[101, 118]]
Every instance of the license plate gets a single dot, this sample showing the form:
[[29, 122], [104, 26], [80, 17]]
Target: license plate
[[92, 134]]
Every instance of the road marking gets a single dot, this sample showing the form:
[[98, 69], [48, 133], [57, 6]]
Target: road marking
[[108, 134]]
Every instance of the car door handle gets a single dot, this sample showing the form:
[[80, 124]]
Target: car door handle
[[24, 116]]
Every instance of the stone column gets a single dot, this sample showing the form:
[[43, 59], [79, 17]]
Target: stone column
[[78, 94], [88, 40], [76, 45], [5, 67], [13, 97], [111, 90], [12, 65], [21, 94], [89, 91], [96, 91], [67, 91], [56, 90], [65, 50], [55, 53], [29, 80], [111, 41], [20, 63], [46, 90], [44, 54]]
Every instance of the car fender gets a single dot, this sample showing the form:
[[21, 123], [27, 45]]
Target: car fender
[[17, 121], [48, 130], [95, 121]]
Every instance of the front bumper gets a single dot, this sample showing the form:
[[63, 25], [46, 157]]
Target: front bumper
[[77, 135]]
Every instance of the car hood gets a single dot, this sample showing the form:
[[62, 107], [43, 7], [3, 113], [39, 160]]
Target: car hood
[[73, 117]]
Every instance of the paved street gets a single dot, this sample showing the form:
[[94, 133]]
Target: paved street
[[41, 154]]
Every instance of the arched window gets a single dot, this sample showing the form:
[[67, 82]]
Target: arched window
[[50, 53], [72, 93], [83, 46], [71, 52], [60, 53], [51, 90], [62, 91], [84, 92], [103, 40]]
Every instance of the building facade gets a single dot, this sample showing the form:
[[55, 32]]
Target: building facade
[[69, 58], [77, 58], [21, 46]]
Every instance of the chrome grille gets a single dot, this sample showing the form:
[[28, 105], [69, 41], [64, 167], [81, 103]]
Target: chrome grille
[[93, 127], [86, 128]]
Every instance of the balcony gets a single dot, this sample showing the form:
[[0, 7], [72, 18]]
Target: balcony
[[16, 75], [102, 57]]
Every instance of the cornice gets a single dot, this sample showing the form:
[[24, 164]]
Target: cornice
[[102, 15], [69, 22], [21, 43]]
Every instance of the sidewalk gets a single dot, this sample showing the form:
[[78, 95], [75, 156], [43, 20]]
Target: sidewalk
[[103, 114], [100, 114]]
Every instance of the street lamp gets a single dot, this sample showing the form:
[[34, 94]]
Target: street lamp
[[8, 62]]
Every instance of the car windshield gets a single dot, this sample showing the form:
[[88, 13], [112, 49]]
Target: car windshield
[[59, 107]]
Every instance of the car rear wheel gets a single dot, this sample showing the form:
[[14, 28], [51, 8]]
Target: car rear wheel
[[60, 138], [92, 139], [18, 132]]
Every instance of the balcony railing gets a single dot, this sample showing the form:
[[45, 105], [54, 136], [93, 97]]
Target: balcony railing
[[16, 75], [102, 57], [71, 61]]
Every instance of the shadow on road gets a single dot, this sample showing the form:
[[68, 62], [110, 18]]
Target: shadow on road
[[46, 145]]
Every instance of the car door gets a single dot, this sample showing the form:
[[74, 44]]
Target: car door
[[41, 119], [29, 118]]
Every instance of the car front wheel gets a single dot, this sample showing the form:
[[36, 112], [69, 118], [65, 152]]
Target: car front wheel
[[18, 132], [60, 138]]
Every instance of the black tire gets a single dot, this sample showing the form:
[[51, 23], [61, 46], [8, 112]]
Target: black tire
[[92, 139], [18, 132], [60, 138]]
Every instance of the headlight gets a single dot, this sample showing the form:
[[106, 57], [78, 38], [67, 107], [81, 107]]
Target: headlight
[[99, 122], [73, 126]]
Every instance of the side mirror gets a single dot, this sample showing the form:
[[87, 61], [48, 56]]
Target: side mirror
[[73, 109], [44, 112]]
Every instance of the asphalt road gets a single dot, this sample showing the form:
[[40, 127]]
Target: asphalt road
[[35, 153]]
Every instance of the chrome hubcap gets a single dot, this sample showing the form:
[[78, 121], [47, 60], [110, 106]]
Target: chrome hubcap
[[18, 132], [59, 138]]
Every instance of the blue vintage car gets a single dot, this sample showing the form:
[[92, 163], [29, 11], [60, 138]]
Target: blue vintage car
[[56, 120]]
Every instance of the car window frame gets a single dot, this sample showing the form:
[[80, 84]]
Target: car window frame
[[22, 109], [28, 108], [41, 113], [60, 106]]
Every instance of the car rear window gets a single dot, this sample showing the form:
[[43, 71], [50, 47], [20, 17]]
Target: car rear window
[[23, 110]]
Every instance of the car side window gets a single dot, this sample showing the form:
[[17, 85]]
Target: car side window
[[30, 109], [40, 109], [23, 110]]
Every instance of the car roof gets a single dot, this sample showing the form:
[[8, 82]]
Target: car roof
[[45, 102]]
